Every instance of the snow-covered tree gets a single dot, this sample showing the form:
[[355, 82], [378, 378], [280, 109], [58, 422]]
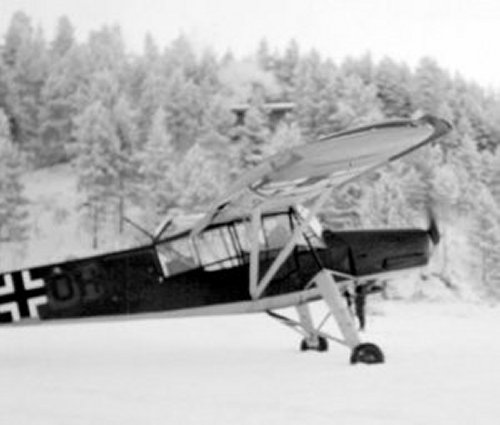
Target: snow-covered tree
[[357, 103], [25, 56], [158, 162], [98, 151], [60, 103], [315, 96], [12, 202], [64, 39], [393, 88]]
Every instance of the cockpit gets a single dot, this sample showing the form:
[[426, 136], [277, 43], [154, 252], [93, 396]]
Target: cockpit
[[227, 245]]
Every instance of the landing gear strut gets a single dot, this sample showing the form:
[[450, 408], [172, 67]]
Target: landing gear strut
[[315, 339], [361, 352]]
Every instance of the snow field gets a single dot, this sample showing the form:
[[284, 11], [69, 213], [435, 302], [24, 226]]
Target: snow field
[[441, 369]]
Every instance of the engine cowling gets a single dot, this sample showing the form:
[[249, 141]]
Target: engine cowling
[[367, 252]]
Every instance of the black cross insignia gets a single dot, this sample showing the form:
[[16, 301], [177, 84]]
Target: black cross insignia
[[20, 296]]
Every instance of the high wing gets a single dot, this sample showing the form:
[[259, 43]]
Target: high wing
[[302, 173]]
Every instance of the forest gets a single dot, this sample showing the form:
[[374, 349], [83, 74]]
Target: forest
[[156, 132]]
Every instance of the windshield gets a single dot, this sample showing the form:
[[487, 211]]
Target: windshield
[[214, 249], [218, 248], [279, 230], [177, 256]]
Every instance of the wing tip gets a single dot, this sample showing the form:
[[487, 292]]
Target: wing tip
[[440, 125]]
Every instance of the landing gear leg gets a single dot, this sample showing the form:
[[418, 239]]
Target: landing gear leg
[[360, 352], [312, 341]]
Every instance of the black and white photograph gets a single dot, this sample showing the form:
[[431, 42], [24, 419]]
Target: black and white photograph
[[249, 212]]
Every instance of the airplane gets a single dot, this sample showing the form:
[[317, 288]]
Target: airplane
[[257, 249]]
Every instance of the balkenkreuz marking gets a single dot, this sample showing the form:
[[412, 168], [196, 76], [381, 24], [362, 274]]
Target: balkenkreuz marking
[[20, 296]]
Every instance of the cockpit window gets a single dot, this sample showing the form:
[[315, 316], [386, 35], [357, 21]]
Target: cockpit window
[[243, 235], [230, 245], [277, 230], [312, 234], [217, 249], [176, 256]]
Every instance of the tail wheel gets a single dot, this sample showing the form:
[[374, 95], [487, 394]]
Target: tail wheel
[[367, 353], [321, 344]]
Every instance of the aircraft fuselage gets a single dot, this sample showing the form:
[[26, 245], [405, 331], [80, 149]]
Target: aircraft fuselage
[[133, 282]]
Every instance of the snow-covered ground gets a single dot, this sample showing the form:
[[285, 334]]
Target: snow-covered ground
[[441, 369]]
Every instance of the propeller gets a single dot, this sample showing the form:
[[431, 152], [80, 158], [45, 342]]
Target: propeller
[[433, 229]]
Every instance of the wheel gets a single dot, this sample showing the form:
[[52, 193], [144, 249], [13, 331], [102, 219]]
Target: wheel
[[367, 353], [321, 344]]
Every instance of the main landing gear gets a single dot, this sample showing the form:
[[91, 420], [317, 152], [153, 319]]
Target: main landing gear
[[317, 340], [367, 352]]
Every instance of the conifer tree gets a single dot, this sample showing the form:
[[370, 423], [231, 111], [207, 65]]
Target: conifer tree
[[208, 167], [25, 55], [13, 211], [430, 85], [315, 96], [484, 236], [363, 67], [393, 88], [98, 177], [18, 34], [158, 162], [357, 103], [5, 81], [60, 103], [494, 178], [64, 39], [184, 105], [199, 179], [126, 161], [285, 68], [264, 57], [151, 87], [180, 57], [107, 51]]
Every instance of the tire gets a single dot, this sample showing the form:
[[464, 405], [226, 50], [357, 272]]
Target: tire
[[322, 344], [367, 353], [321, 347]]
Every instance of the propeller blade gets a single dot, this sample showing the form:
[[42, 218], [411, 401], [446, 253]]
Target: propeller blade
[[433, 229]]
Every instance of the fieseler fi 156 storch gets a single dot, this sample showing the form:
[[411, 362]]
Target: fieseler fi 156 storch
[[255, 250]]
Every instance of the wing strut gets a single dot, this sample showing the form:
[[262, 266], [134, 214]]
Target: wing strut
[[254, 253], [257, 288]]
